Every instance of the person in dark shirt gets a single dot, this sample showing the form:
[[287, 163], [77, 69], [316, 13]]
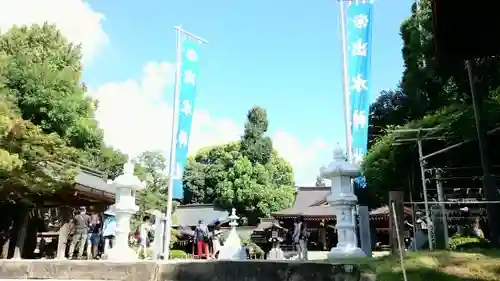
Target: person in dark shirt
[[94, 236], [202, 239], [81, 223]]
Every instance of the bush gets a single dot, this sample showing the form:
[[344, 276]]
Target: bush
[[463, 243], [253, 249], [178, 254]]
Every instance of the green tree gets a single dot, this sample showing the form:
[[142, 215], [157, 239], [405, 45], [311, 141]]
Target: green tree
[[150, 167], [320, 181], [430, 95], [40, 76], [29, 158], [242, 174], [254, 145]]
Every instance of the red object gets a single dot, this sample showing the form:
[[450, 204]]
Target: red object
[[202, 246]]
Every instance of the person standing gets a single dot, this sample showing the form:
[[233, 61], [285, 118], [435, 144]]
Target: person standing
[[322, 235], [202, 239], [300, 238], [144, 230], [215, 240], [81, 223], [94, 236], [109, 231]]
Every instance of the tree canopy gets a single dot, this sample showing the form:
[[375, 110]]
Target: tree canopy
[[150, 167], [320, 181], [46, 119], [247, 175], [430, 95]]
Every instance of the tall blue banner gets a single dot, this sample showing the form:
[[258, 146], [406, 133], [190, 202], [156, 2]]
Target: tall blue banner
[[358, 25], [187, 97]]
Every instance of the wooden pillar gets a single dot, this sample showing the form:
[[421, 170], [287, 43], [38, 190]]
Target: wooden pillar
[[21, 236], [64, 217], [396, 197]]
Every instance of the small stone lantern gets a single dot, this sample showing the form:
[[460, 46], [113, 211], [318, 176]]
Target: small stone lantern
[[343, 200], [232, 249], [126, 186]]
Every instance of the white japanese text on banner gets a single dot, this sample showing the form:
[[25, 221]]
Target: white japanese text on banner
[[358, 39]]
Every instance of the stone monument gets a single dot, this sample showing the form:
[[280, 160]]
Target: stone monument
[[343, 200], [232, 249], [126, 185]]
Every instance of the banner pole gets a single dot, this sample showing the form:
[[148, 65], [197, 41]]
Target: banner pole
[[345, 83], [173, 142]]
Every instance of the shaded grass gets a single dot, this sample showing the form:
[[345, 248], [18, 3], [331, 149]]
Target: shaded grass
[[483, 265]]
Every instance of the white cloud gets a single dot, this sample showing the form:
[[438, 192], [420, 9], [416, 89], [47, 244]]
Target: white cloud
[[75, 18], [136, 117], [306, 158]]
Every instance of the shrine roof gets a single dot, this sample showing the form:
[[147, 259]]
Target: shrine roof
[[95, 180], [309, 201], [189, 215], [322, 211], [265, 223], [89, 187]]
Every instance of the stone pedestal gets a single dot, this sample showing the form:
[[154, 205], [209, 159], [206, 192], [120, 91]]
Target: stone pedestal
[[126, 186], [232, 249], [276, 254], [342, 198]]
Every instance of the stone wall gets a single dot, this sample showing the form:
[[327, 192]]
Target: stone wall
[[177, 270]]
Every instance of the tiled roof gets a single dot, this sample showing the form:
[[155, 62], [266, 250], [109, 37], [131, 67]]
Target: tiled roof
[[309, 201], [91, 180], [189, 215]]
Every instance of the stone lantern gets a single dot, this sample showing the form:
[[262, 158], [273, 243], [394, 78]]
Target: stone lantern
[[233, 219], [126, 186], [343, 200], [232, 249]]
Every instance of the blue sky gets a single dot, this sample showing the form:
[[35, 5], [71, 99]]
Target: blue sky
[[283, 55]]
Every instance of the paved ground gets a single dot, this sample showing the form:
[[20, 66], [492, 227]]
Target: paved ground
[[322, 255]]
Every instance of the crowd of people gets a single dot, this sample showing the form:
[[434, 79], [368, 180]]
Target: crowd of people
[[207, 242], [92, 233]]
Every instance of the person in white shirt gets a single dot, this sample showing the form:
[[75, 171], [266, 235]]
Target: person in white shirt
[[109, 231], [215, 240], [144, 230]]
